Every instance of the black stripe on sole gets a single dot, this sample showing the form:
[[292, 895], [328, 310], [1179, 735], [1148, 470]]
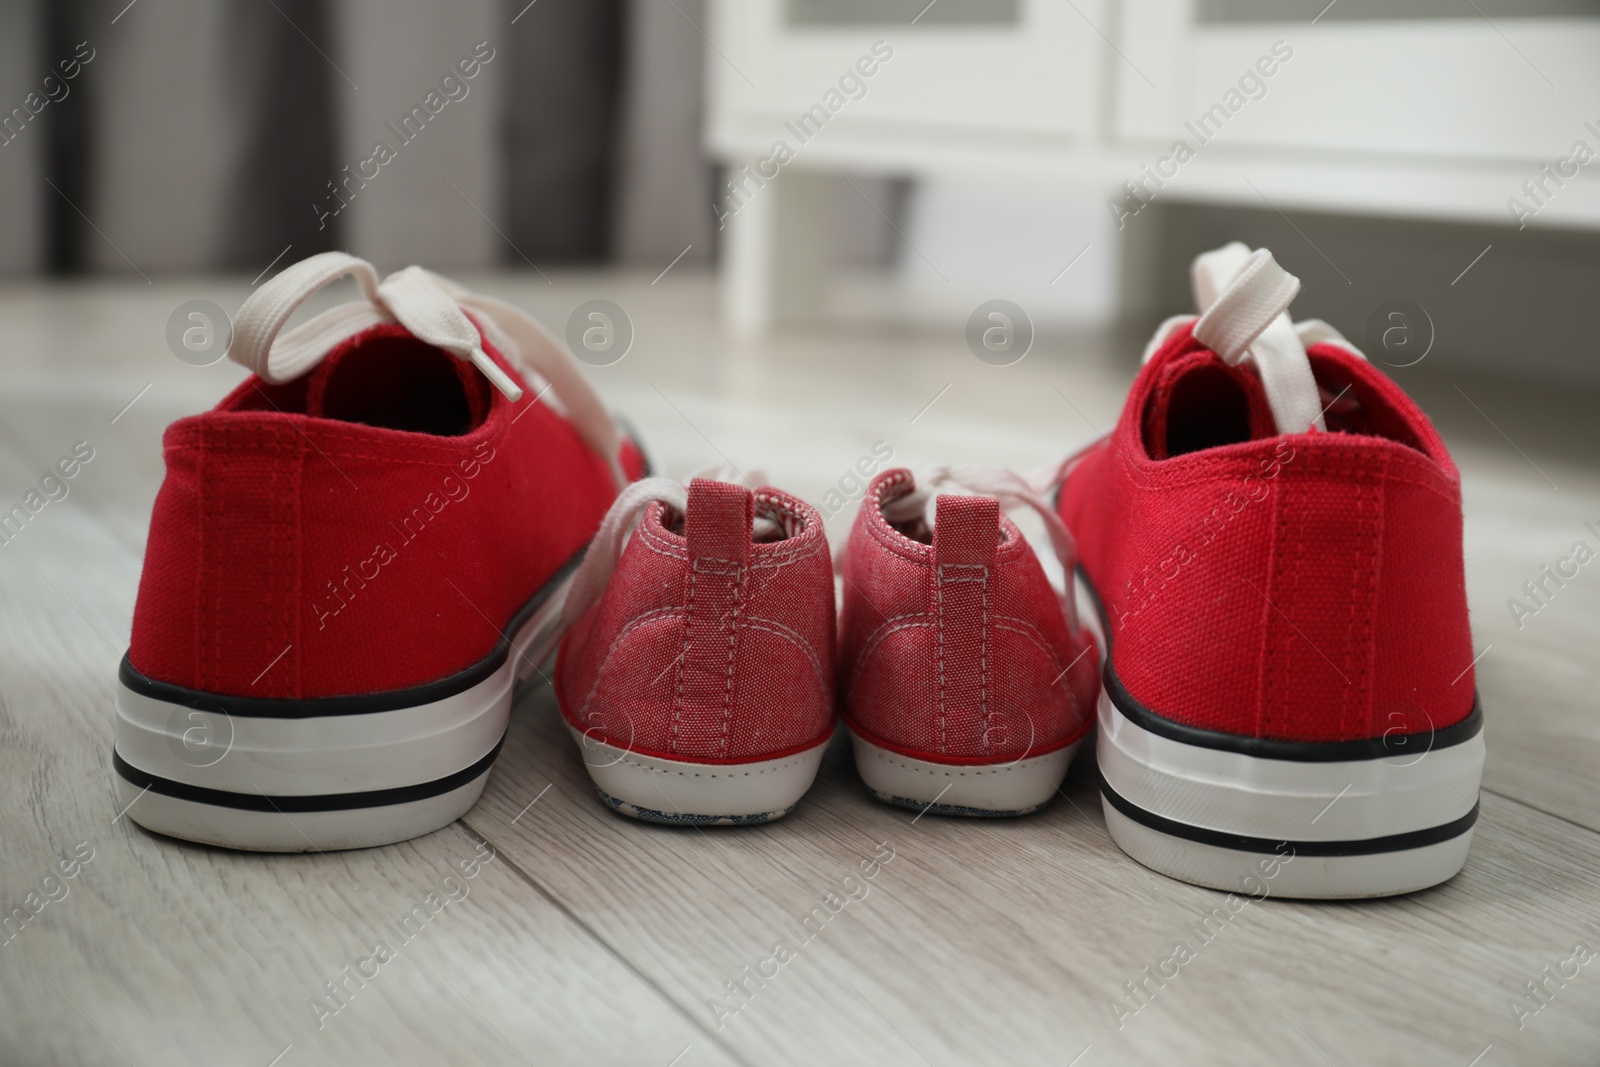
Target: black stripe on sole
[[375, 798], [358, 704], [1410, 746], [365, 703], [1370, 846]]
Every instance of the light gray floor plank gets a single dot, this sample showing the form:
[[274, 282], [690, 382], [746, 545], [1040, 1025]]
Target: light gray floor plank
[[598, 940], [1012, 939], [163, 952], [160, 952]]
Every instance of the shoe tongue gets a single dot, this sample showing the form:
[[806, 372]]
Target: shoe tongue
[[386, 377]]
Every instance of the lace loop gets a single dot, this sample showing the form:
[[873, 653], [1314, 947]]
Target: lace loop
[[267, 309], [1234, 317], [433, 309], [1244, 297]]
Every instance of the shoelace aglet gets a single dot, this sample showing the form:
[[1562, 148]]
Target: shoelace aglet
[[491, 370]]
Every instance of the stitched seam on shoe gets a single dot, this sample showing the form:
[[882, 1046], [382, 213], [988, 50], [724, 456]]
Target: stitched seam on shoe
[[683, 660], [1011, 623], [756, 622], [984, 651], [790, 762], [247, 440], [605, 662], [296, 657], [881, 755], [891, 539], [739, 578], [1027, 629], [653, 540], [275, 612], [204, 651], [1419, 473], [980, 580], [884, 629], [1267, 683], [1347, 643], [327, 439], [659, 549], [254, 449], [1433, 487], [1291, 595], [938, 617], [1374, 565]]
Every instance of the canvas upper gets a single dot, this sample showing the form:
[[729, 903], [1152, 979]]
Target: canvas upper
[[1302, 586], [954, 647], [711, 641], [372, 517]]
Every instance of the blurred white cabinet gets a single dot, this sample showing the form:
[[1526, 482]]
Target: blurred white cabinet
[[1009, 68], [1423, 108]]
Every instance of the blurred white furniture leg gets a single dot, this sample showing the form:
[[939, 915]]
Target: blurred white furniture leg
[[778, 249]]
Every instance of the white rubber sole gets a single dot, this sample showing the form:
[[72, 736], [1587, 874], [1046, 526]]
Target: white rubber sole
[[280, 776], [1014, 788], [679, 792], [1328, 824], [1369, 826]]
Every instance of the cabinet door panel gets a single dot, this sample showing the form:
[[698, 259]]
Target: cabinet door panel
[[1436, 87], [995, 66]]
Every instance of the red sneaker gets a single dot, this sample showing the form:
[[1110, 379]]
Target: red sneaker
[[352, 558], [966, 681], [698, 675], [1273, 534]]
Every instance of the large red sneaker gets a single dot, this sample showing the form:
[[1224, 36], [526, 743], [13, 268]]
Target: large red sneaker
[[1273, 534], [697, 678], [351, 560], [966, 681]]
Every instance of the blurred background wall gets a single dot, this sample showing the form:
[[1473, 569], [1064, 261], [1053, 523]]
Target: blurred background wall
[[205, 136], [211, 136]]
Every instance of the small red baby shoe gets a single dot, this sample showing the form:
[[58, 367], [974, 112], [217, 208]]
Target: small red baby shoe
[[698, 674], [351, 560], [1273, 535], [965, 679]]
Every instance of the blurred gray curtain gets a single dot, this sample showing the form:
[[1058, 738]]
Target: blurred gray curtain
[[665, 185], [439, 201], [22, 222], [208, 131], [190, 137], [218, 136], [560, 132]]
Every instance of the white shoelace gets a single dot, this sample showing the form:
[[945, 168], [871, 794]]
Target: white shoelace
[[434, 310], [600, 561], [1244, 297], [1007, 487]]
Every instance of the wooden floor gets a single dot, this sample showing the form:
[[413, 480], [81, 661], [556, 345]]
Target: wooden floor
[[590, 939]]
